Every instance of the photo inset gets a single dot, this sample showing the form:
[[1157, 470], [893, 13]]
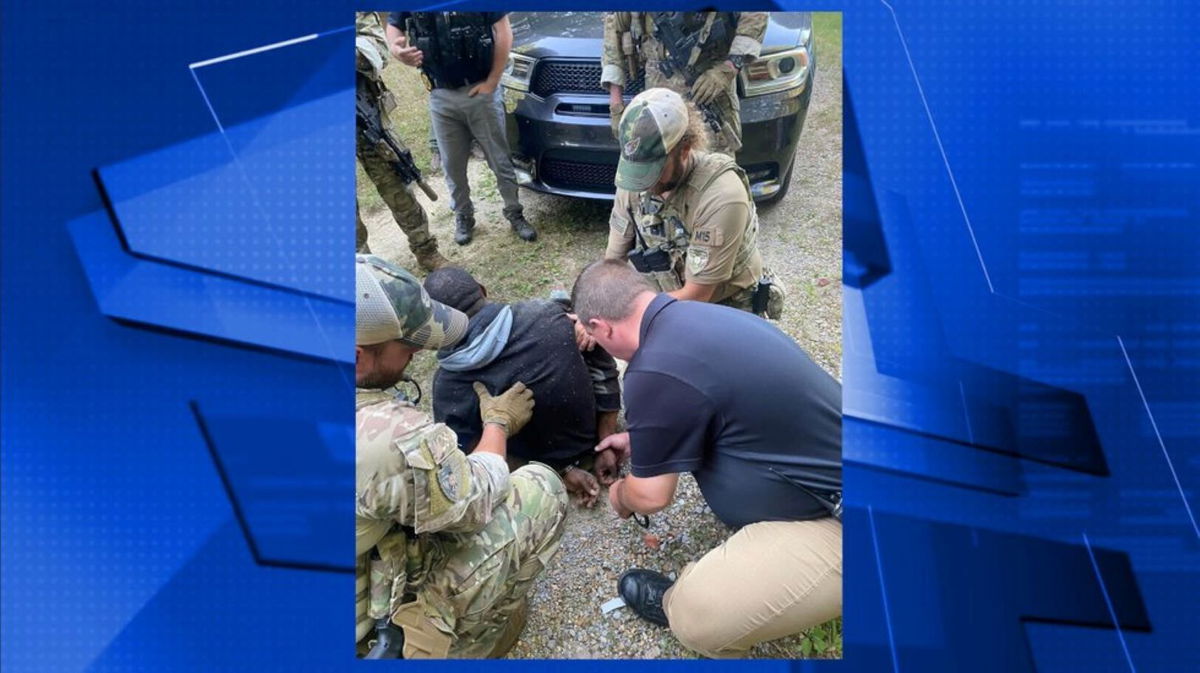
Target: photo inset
[[618, 236]]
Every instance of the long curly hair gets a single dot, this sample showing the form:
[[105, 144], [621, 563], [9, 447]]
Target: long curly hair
[[696, 137]]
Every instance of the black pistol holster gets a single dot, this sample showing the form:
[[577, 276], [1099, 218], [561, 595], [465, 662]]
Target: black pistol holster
[[643, 258], [648, 261], [389, 641], [762, 295]]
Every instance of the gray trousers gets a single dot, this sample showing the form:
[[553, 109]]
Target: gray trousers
[[457, 118]]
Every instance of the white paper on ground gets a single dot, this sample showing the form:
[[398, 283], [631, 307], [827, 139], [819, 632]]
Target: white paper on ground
[[614, 604]]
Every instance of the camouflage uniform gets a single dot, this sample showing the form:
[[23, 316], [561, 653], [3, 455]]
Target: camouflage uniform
[[372, 51], [449, 544], [629, 40]]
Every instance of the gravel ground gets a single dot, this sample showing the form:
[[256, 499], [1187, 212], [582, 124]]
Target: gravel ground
[[800, 239]]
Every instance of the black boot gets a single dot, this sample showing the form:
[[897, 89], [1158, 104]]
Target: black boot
[[643, 593], [464, 227], [523, 228]]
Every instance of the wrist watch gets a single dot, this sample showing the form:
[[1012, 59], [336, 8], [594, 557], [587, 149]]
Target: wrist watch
[[739, 61]]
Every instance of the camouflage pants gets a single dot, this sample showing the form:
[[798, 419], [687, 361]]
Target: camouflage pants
[[487, 575], [406, 210], [729, 140], [742, 299]]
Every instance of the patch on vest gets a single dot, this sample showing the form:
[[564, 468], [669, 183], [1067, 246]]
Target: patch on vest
[[617, 222], [450, 481], [697, 259], [713, 237]]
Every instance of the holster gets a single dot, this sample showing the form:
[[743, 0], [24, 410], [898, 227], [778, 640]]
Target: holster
[[769, 296], [650, 261], [389, 641], [762, 294]]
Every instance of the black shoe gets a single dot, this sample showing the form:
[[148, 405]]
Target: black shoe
[[643, 593], [464, 226], [523, 228]]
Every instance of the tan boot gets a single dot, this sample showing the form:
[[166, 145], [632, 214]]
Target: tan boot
[[432, 261]]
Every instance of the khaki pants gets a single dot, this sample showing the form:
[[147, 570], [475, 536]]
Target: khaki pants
[[769, 580]]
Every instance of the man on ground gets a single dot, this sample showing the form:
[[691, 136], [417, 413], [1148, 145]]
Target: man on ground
[[578, 395]]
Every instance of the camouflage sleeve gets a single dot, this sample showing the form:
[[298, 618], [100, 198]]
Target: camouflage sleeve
[[620, 229], [370, 41], [612, 60], [410, 471], [747, 39], [489, 487]]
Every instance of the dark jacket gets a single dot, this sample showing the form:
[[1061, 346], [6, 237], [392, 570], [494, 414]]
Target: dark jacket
[[541, 353]]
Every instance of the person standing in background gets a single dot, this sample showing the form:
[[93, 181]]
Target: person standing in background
[[462, 56]]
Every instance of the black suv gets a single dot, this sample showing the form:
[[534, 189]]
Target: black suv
[[557, 112]]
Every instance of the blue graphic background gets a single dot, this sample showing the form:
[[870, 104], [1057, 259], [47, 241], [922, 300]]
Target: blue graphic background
[[1021, 337]]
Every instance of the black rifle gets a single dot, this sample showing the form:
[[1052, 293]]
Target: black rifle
[[371, 126], [679, 45]]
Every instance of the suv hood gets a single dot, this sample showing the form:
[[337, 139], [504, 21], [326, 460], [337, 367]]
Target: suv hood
[[581, 34]]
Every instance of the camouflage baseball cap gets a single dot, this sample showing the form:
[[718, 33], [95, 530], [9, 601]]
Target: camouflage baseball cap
[[391, 304], [651, 126]]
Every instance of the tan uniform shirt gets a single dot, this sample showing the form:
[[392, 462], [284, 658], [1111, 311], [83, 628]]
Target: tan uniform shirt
[[717, 219]]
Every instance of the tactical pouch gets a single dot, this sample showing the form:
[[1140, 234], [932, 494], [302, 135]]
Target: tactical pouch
[[650, 261], [422, 638], [387, 575], [665, 281]]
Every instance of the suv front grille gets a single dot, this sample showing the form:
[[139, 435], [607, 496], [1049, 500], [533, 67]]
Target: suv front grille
[[575, 77], [578, 175]]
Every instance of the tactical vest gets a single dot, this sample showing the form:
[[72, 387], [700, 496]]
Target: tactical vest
[[708, 36], [665, 225], [457, 47]]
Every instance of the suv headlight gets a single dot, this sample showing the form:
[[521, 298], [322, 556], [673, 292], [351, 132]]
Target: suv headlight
[[771, 73], [518, 71]]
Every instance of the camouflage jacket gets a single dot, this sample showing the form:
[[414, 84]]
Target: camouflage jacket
[[371, 57], [415, 494], [629, 37]]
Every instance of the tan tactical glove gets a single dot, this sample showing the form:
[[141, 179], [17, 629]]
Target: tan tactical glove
[[615, 110], [510, 410], [712, 82]]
